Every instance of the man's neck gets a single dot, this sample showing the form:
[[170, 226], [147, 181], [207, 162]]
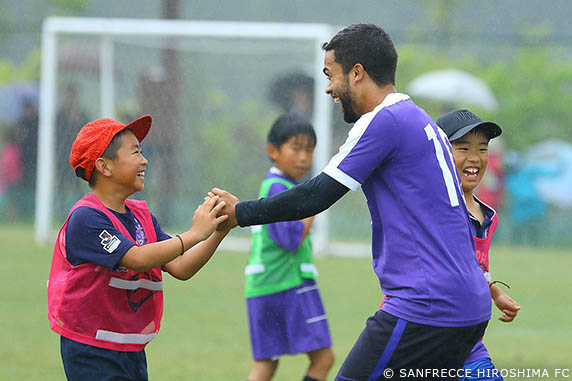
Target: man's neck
[[374, 95]]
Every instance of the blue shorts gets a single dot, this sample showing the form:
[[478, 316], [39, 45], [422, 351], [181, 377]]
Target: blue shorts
[[85, 363], [481, 370], [288, 322]]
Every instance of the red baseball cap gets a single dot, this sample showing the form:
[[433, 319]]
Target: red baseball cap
[[93, 138]]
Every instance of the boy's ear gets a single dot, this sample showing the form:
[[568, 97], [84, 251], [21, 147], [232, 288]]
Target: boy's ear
[[272, 151], [103, 166]]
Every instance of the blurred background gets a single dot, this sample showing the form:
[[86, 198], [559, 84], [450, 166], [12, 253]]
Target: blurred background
[[213, 100]]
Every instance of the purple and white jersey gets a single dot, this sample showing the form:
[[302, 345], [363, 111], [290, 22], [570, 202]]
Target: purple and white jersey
[[423, 251]]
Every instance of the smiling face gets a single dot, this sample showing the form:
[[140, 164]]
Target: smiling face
[[128, 166], [294, 157], [471, 154], [339, 87]]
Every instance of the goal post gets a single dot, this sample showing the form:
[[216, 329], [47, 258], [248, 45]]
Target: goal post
[[109, 29], [275, 48]]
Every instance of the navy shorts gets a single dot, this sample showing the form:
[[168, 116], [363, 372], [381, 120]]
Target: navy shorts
[[393, 348], [85, 363], [288, 322]]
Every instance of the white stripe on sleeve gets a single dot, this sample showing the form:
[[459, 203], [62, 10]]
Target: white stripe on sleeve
[[336, 174], [354, 135]]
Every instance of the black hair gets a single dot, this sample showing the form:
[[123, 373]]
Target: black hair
[[368, 45], [483, 129], [288, 125], [109, 153], [283, 88]]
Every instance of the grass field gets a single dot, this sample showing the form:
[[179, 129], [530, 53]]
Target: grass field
[[204, 333]]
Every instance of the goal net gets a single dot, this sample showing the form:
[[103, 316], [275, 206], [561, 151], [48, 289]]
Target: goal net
[[213, 90]]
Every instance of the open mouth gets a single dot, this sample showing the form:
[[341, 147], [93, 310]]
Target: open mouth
[[338, 101], [141, 174], [471, 172]]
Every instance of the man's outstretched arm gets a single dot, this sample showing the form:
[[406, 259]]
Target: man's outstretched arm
[[304, 200]]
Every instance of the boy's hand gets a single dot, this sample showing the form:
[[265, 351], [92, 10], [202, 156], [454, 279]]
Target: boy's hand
[[508, 306], [229, 208], [207, 218]]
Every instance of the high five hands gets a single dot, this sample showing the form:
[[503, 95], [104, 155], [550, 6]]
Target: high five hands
[[207, 217], [228, 209]]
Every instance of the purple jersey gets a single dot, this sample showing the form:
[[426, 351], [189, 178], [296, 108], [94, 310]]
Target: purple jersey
[[423, 252], [286, 234]]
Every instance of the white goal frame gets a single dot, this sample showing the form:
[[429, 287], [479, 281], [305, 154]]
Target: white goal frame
[[107, 29]]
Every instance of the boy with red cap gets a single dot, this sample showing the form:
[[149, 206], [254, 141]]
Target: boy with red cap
[[105, 293]]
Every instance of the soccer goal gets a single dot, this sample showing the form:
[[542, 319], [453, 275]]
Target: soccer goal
[[213, 89]]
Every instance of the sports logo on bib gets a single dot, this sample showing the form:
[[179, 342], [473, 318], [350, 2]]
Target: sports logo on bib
[[137, 297], [109, 242]]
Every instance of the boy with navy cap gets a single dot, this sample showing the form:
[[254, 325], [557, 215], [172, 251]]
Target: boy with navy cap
[[105, 292], [469, 136]]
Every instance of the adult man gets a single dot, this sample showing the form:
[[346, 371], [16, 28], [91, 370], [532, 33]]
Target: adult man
[[422, 249]]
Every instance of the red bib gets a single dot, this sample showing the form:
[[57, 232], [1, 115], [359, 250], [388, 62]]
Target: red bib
[[118, 310], [482, 247]]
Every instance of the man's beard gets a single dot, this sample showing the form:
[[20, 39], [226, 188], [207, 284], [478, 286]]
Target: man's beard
[[350, 115]]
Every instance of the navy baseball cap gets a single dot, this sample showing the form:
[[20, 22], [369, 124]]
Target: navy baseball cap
[[458, 123]]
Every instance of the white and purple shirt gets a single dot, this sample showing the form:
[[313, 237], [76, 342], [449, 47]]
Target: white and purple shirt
[[423, 251]]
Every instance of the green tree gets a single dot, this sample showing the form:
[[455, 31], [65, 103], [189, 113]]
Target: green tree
[[535, 95], [533, 88], [68, 7], [30, 68]]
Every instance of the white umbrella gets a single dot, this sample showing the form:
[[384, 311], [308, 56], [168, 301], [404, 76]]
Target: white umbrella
[[454, 86]]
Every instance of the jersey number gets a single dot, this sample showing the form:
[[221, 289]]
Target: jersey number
[[447, 175]]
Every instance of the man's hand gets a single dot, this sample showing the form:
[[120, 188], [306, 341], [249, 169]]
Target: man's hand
[[229, 208]]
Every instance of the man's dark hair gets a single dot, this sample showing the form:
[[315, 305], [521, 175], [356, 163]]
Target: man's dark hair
[[368, 45], [109, 153], [288, 125]]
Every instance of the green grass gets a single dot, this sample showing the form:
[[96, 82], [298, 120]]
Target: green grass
[[204, 334]]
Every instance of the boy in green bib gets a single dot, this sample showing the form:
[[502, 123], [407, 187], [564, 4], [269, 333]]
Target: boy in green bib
[[285, 311]]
